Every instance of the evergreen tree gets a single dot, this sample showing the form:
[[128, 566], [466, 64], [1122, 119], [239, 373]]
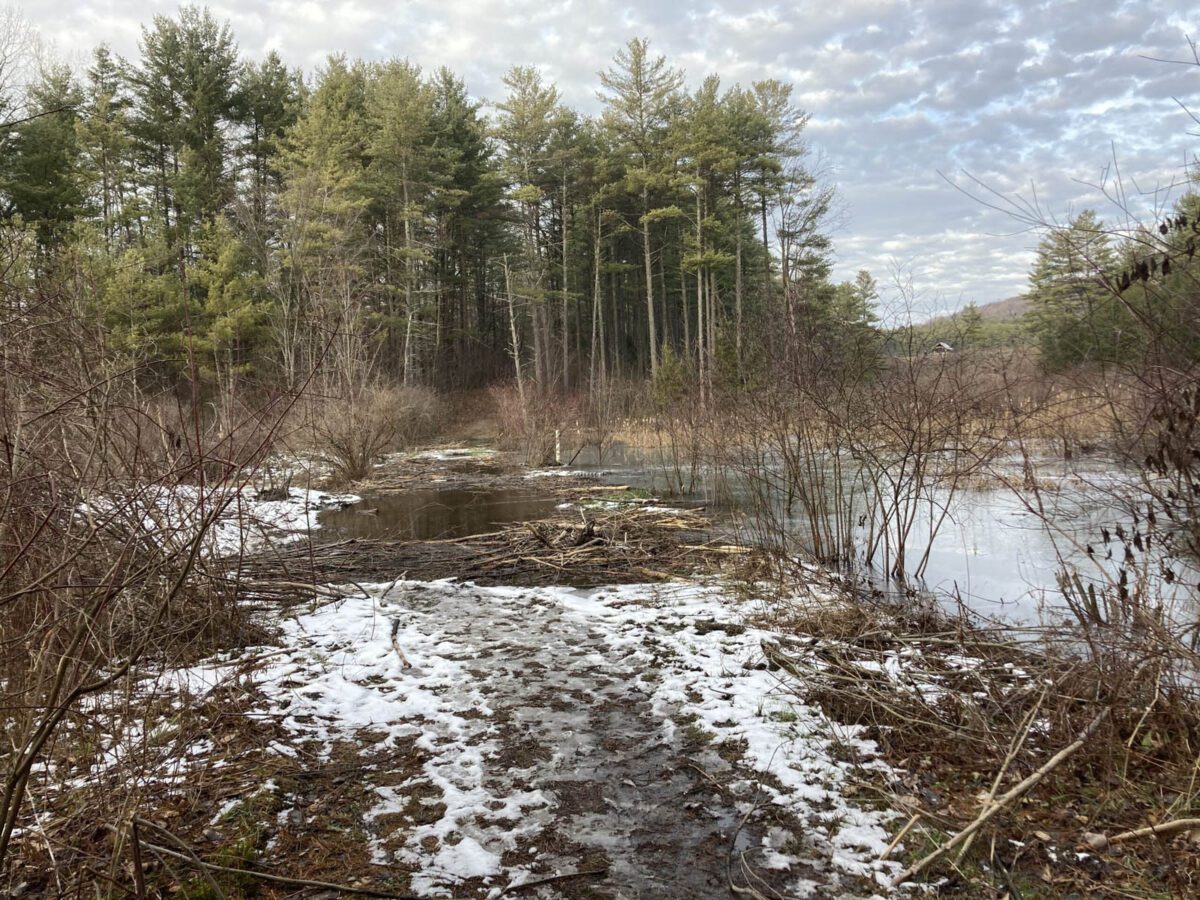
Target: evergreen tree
[[105, 143], [324, 283], [185, 90], [525, 128], [466, 209], [41, 176], [400, 113], [970, 323], [271, 99], [235, 313], [1076, 318], [639, 98], [854, 301]]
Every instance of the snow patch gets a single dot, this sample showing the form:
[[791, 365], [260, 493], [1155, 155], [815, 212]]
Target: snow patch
[[240, 519]]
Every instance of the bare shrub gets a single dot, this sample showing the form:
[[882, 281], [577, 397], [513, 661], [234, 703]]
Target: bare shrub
[[534, 426], [355, 433], [107, 570], [852, 462], [607, 405]]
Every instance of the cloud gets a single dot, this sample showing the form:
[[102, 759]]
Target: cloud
[[1025, 96]]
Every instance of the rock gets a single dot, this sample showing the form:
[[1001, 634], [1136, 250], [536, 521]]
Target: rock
[[1095, 841]]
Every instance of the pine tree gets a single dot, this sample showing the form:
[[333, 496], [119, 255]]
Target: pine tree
[[41, 176], [324, 280], [466, 210], [1075, 317], [525, 128], [271, 99], [185, 90], [400, 113], [235, 311], [639, 98], [105, 145]]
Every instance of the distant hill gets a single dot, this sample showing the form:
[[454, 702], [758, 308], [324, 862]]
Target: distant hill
[[1005, 310], [1001, 324]]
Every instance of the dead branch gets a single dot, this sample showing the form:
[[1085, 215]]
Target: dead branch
[[1100, 842], [208, 867], [994, 809]]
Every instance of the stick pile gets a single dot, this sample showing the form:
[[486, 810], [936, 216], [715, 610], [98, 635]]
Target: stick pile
[[620, 546]]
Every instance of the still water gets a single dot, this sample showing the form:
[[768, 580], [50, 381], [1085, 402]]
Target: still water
[[997, 552], [432, 514], [992, 553]]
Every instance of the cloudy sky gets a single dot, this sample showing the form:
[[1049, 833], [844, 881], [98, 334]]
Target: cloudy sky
[[1032, 99]]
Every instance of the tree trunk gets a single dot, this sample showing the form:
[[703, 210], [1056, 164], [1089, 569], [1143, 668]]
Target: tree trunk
[[566, 331], [597, 320], [737, 283], [408, 302], [653, 331], [702, 369], [516, 340], [539, 371], [766, 250], [683, 307]]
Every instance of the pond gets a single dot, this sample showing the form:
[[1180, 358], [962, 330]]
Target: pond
[[995, 552], [428, 514]]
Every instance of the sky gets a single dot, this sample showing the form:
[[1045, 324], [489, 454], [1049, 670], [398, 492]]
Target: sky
[[912, 101]]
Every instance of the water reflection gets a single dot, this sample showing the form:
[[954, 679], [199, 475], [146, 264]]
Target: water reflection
[[431, 514], [994, 553]]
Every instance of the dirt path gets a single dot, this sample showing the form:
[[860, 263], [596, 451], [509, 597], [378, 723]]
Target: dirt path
[[624, 732], [575, 724]]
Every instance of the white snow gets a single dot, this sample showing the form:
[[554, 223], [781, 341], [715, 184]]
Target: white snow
[[488, 663], [240, 522], [741, 701], [448, 454], [341, 678]]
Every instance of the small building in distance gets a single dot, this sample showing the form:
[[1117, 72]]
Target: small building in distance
[[942, 347]]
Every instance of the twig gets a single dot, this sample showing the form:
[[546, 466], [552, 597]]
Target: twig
[[999, 805], [1014, 748], [396, 645], [320, 590], [261, 876], [139, 876], [532, 529], [733, 888], [551, 879], [707, 777], [189, 854], [916, 817]]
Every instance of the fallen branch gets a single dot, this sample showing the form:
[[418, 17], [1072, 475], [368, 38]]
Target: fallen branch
[[1100, 842], [321, 590], [261, 876], [551, 879], [899, 837], [995, 808]]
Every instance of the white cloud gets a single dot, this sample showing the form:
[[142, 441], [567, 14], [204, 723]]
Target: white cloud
[[1022, 95]]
